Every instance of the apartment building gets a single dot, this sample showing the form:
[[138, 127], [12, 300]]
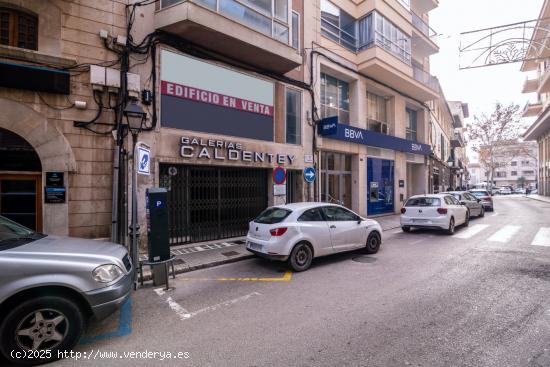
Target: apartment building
[[537, 65], [459, 152], [55, 167], [517, 165], [370, 65]]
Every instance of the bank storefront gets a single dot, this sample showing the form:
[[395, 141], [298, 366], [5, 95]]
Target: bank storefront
[[383, 170], [217, 147]]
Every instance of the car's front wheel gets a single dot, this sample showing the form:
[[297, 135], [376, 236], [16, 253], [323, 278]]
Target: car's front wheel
[[467, 219], [373, 243], [406, 229], [482, 212], [44, 325], [301, 257]]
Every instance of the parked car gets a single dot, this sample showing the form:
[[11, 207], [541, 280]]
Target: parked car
[[505, 190], [299, 232], [520, 190], [473, 203], [534, 192], [441, 211], [485, 198], [51, 288]]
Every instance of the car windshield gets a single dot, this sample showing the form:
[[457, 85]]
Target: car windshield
[[13, 234], [272, 215], [424, 201], [480, 193]]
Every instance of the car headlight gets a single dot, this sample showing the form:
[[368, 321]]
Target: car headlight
[[107, 273]]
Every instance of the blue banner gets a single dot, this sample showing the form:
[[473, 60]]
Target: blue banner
[[330, 128]]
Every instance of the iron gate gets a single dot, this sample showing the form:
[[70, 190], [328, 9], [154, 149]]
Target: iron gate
[[210, 203]]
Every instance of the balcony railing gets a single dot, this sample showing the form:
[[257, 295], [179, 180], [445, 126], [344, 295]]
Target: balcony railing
[[425, 78], [422, 26], [339, 35]]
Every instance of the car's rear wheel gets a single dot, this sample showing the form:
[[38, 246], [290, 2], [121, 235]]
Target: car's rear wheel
[[301, 257], [44, 325], [373, 243], [406, 229], [451, 229], [467, 219]]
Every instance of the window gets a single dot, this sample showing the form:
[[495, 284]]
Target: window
[[514, 163], [528, 173], [338, 25], [514, 173], [311, 215], [524, 163], [501, 174], [376, 113], [272, 215], [423, 201], [451, 200], [337, 214], [293, 116], [18, 29], [411, 125], [334, 98], [295, 30], [443, 147]]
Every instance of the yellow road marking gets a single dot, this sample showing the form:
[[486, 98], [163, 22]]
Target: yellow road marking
[[285, 278]]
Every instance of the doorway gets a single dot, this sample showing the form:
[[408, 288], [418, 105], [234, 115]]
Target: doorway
[[20, 181], [380, 178]]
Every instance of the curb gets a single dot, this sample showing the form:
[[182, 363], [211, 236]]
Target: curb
[[147, 276], [537, 199]]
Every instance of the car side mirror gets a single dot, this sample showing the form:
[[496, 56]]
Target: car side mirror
[[359, 220], [478, 200], [463, 203]]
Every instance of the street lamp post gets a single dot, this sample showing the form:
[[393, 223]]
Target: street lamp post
[[451, 164], [135, 116]]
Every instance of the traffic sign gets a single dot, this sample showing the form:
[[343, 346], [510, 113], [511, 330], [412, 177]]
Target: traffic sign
[[309, 174], [279, 175]]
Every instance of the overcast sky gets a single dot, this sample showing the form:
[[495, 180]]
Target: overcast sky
[[482, 87]]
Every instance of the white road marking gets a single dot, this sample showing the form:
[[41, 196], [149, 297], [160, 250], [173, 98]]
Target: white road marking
[[471, 231], [186, 315], [494, 215], [504, 234], [542, 238]]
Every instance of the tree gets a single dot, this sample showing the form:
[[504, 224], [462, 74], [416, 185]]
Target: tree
[[494, 137], [521, 181]]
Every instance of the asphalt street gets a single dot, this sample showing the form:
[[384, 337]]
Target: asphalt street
[[478, 298]]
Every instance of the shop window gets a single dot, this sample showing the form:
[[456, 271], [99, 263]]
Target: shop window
[[514, 173], [18, 29], [411, 125], [336, 178], [334, 98], [293, 116], [376, 114]]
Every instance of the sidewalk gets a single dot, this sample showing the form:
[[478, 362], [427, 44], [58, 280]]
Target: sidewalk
[[539, 197], [208, 254]]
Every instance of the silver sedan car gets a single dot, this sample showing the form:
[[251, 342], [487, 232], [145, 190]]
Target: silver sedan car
[[51, 286], [298, 232]]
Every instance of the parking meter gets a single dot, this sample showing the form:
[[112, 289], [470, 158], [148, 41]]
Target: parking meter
[[157, 224]]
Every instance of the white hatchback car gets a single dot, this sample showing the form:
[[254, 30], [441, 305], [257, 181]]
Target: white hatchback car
[[442, 211], [298, 232]]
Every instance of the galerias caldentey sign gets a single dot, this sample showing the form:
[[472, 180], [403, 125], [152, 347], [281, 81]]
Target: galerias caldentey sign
[[227, 150]]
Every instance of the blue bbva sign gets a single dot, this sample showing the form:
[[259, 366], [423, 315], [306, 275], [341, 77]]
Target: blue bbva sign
[[330, 128]]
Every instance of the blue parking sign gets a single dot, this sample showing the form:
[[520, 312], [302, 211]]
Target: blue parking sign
[[144, 161]]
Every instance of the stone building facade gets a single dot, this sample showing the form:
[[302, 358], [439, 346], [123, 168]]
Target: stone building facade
[[56, 40]]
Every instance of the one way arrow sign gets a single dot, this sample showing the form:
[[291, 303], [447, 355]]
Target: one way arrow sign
[[309, 174]]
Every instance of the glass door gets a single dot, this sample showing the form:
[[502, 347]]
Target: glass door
[[20, 199]]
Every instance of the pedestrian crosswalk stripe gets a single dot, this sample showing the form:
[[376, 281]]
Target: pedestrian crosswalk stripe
[[504, 234], [542, 238], [471, 231]]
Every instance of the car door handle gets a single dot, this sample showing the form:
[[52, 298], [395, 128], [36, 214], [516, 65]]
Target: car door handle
[[332, 226]]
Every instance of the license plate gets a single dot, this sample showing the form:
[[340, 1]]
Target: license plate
[[254, 246], [419, 221]]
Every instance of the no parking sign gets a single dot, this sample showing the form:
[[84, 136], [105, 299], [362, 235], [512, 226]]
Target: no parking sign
[[279, 175]]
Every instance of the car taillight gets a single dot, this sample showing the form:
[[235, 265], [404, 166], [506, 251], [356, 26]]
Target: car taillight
[[488, 198], [442, 210], [278, 231], [403, 210]]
